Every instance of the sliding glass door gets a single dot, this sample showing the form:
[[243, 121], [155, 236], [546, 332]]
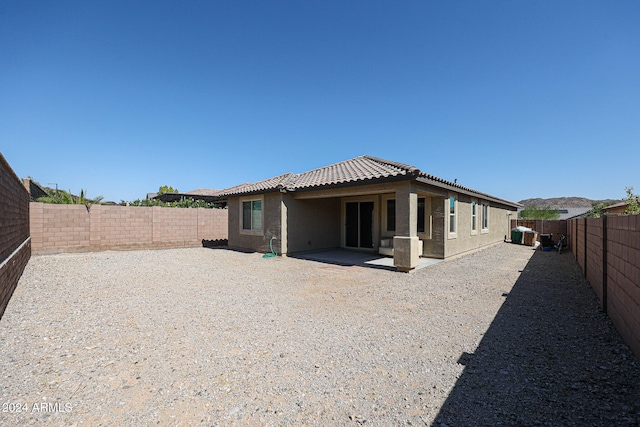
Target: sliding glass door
[[359, 225]]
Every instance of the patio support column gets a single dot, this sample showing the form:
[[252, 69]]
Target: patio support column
[[405, 242]]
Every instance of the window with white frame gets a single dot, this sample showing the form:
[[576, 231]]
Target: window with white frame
[[485, 216], [252, 216], [474, 216], [452, 215]]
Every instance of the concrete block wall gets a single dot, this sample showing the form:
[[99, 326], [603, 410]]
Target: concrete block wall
[[10, 272], [58, 228], [15, 243], [579, 248], [544, 226], [76, 228], [608, 250], [171, 225], [213, 224], [120, 227], [594, 253], [623, 277]]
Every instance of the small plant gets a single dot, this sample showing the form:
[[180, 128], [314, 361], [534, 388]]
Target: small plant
[[143, 202], [183, 203], [632, 201], [62, 197], [596, 210], [167, 189], [534, 212]]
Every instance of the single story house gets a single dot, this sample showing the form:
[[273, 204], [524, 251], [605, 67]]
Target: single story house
[[366, 204], [616, 209]]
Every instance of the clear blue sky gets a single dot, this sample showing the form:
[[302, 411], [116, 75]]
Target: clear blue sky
[[517, 99]]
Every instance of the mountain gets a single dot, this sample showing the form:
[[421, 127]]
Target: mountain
[[564, 202]]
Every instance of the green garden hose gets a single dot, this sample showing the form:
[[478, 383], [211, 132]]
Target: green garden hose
[[273, 253]]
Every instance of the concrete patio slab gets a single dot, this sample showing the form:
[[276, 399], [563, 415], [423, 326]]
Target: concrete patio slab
[[346, 257]]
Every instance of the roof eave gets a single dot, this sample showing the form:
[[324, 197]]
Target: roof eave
[[463, 190]]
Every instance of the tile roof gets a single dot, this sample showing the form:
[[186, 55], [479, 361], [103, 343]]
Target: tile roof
[[614, 206], [270, 184], [359, 169], [203, 192]]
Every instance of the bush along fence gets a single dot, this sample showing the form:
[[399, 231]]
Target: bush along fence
[[15, 243], [608, 251], [79, 228]]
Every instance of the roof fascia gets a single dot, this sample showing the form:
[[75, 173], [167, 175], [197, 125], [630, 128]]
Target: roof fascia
[[252, 193], [435, 183]]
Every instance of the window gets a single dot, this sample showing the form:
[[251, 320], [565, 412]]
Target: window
[[485, 216], [421, 213], [252, 215], [391, 215], [474, 216], [452, 215]]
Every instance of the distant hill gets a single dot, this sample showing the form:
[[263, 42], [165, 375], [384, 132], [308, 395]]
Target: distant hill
[[564, 202]]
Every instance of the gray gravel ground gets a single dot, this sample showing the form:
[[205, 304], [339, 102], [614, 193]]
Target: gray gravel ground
[[217, 337]]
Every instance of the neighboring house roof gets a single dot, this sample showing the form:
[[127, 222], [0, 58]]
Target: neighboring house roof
[[570, 213], [362, 169], [204, 192], [615, 206], [208, 195]]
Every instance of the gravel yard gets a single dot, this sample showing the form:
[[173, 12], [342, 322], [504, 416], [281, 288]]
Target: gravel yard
[[503, 336]]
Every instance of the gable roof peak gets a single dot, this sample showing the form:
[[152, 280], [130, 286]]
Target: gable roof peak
[[361, 168], [410, 169]]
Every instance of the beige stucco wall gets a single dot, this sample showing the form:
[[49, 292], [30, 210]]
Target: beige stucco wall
[[271, 224], [434, 247], [315, 220], [311, 224], [464, 239]]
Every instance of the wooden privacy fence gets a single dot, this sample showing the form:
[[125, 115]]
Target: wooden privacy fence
[[608, 251]]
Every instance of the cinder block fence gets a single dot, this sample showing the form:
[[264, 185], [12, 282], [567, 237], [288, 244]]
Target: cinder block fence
[[608, 250], [555, 227], [15, 244], [78, 228]]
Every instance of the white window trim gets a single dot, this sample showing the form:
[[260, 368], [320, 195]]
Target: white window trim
[[474, 217], [251, 232], [483, 229], [454, 234]]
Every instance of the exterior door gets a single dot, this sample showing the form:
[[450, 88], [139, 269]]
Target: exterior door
[[359, 225]]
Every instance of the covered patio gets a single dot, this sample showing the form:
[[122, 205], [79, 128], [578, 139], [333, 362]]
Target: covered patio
[[350, 258]]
